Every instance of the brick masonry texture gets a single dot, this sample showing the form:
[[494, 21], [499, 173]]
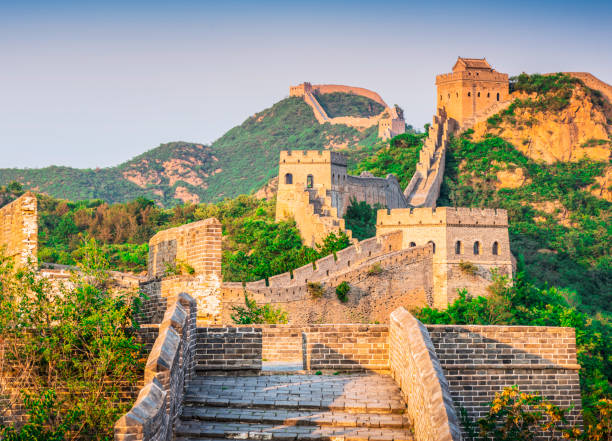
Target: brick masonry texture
[[346, 347], [197, 245], [169, 367], [405, 279], [416, 369], [223, 348], [479, 361], [19, 229]]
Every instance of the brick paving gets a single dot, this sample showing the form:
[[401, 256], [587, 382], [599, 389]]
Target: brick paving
[[364, 407]]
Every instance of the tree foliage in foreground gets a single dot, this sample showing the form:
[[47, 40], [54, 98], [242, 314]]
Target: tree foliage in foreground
[[74, 345]]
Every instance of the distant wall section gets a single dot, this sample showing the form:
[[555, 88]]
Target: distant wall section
[[19, 229]]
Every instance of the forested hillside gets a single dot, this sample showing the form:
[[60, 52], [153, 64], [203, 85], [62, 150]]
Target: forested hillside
[[239, 162]]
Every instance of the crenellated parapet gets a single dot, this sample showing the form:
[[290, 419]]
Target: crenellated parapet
[[463, 216]]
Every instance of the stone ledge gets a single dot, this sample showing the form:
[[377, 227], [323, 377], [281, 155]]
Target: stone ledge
[[574, 367]]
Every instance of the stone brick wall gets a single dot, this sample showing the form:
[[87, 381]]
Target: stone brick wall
[[19, 229], [451, 229], [198, 245], [229, 348], [346, 347], [481, 360], [415, 367], [281, 343], [169, 366], [404, 278]]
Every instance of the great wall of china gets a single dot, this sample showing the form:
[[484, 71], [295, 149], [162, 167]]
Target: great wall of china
[[390, 122], [422, 373]]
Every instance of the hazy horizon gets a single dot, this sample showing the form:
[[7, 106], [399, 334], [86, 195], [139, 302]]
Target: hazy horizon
[[95, 85]]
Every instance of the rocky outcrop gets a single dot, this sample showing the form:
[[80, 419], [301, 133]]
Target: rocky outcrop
[[580, 130]]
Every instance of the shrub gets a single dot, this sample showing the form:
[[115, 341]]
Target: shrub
[[494, 121], [375, 269], [80, 340], [468, 268], [342, 291], [253, 314], [179, 268], [46, 421], [518, 416], [315, 290]]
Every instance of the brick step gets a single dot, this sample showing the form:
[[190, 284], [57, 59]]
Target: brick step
[[205, 430], [355, 407], [295, 418], [364, 393]]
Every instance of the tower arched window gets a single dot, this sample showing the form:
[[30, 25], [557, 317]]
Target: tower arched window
[[433, 245], [412, 245], [309, 181], [458, 247], [478, 94], [497, 96], [495, 249], [476, 248], [469, 93], [488, 94], [288, 178]]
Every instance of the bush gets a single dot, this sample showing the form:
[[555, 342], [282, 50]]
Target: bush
[[375, 269], [517, 416], [315, 290], [253, 314], [80, 340], [342, 291], [468, 268], [46, 421]]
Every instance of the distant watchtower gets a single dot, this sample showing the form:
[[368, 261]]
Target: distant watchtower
[[473, 86]]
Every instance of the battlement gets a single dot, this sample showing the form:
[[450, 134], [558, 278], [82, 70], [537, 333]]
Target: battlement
[[470, 75], [312, 157], [443, 216]]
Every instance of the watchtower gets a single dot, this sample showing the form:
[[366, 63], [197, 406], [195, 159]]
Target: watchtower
[[472, 86]]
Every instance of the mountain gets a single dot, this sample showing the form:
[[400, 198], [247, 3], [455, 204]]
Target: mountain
[[239, 162], [545, 159]]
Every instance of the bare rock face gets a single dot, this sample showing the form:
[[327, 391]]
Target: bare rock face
[[580, 130], [603, 186], [511, 178], [268, 191]]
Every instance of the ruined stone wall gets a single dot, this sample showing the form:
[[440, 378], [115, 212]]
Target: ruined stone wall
[[479, 361], [199, 246], [19, 229], [450, 230]]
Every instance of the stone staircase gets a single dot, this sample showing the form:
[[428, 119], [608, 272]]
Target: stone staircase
[[356, 407]]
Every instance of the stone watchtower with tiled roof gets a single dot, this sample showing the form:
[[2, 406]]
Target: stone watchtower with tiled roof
[[472, 87]]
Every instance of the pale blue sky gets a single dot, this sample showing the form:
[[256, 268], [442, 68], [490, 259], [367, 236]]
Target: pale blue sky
[[94, 85]]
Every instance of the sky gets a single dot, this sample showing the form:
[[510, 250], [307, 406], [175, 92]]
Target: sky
[[93, 84]]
